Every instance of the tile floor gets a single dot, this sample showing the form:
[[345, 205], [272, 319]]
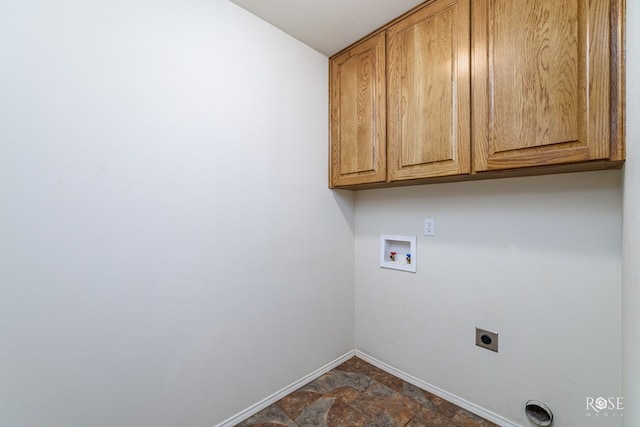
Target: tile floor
[[357, 393]]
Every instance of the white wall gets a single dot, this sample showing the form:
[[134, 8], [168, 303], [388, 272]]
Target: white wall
[[536, 259], [631, 228], [169, 251]]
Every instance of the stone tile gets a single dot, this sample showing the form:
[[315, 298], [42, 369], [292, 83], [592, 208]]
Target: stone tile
[[314, 387], [389, 380], [430, 400], [416, 394], [351, 365], [357, 365], [294, 403], [316, 413], [266, 424], [386, 407], [380, 390], [335, 379], [346, 394], [429, 418], [465, 418], [357, 394], [332, 412], [271, 416], [343, 415]]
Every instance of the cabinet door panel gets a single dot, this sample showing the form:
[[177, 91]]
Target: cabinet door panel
[[428, 90], [358, 127], [541, 82]]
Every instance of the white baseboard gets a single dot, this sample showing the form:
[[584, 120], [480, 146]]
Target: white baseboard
[[471, 407], [254, 409]]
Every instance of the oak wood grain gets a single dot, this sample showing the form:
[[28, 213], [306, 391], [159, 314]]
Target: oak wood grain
[[538, 90], [540, 82], [428, 92], [358, 114]]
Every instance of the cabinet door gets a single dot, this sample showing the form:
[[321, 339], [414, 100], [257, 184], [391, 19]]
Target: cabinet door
[[428, 92], [541, 82], [357, 104]]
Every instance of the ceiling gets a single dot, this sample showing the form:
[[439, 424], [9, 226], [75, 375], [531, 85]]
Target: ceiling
[[328, 26]]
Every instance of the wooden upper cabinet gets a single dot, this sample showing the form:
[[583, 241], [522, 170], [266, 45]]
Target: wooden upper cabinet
[[456, 90], [543, 88], [357, 114], [428, 91]]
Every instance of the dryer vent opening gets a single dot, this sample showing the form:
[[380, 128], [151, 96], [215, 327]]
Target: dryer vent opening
[[538, 413]]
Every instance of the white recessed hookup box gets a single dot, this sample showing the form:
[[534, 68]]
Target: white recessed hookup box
[[398, 252]]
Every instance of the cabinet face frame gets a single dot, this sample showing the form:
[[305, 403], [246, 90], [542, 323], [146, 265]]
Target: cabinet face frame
[[357, 111], [428, 92], [584, 126]]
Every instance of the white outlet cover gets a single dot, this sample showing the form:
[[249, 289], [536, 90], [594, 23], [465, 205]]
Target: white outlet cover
[[429, 226]]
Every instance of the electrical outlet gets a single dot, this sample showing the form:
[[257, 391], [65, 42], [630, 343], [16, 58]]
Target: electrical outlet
[[429, 227], [487, 339]]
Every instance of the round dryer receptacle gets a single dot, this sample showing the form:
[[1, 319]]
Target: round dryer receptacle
[[538, 413]]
